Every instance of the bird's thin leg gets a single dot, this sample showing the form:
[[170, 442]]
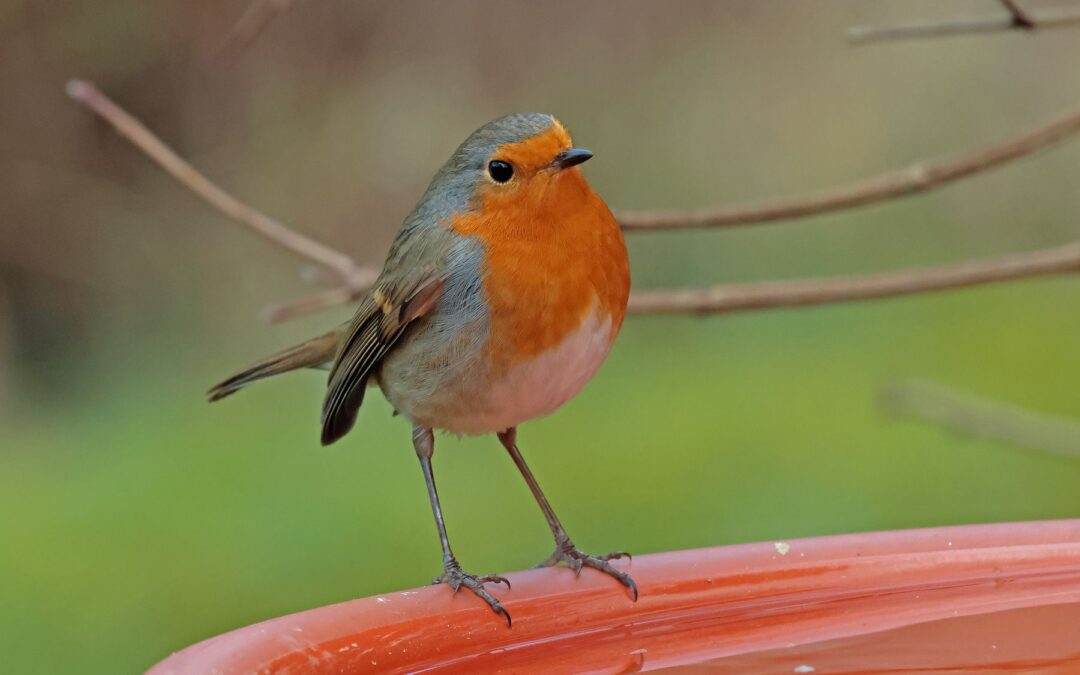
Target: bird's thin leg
[[565, 550], [453, 576]]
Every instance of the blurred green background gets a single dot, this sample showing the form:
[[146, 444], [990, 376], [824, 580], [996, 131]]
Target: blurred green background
[[136, 519]]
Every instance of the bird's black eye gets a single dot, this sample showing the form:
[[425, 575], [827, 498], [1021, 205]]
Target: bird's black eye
[[500, 171]]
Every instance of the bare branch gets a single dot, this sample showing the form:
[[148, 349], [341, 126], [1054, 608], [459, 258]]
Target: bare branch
[[251, 23], [920, 177], [350, 272], [982, 418], [908, 31], [805, 292], [315, 302], [1021, 18], [1017, 19]]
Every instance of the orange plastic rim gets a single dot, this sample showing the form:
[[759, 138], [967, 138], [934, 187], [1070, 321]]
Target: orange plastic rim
[[1001, 597]]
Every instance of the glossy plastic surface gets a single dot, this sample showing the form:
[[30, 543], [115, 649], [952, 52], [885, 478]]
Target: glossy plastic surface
[[1004, 598]]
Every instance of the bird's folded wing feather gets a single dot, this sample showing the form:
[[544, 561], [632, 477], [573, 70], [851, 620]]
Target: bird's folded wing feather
[[380, 320]]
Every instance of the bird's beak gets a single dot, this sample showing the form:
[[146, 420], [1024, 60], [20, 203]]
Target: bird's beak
[[571, 157]]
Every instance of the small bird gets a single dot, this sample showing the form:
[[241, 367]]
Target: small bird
[[500, 298]]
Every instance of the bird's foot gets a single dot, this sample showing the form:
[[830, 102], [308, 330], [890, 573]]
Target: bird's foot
[[575, 559], [455, 578]]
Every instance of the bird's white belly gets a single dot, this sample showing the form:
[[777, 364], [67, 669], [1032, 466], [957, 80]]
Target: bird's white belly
[[536, 387]]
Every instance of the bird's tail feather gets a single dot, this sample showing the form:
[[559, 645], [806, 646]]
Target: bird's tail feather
[[314, 353]]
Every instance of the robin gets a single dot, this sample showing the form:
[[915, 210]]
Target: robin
[[501, 296]]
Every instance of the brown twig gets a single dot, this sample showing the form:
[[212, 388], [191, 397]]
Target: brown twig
[[251, 23], [729, 298], [918, 177], [313, 303], [1018, 18], [1021, 18], [805, 292], [982, 418], [351, 274]]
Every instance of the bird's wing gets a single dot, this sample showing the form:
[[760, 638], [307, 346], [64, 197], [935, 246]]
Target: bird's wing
[[380, 320]]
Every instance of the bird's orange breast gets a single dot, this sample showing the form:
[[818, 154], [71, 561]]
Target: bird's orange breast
[[554, 254]]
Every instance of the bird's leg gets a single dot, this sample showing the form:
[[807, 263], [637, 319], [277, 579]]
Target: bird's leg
[[453, 576], [565, 550]]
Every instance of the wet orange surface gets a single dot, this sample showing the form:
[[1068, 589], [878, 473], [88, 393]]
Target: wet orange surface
[[1041, 639], [997, 598]]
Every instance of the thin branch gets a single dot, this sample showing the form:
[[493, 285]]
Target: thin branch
[[1021, 18], [132, 129], [908, 31], [730, 298], [805, 292], [982, 418], [1017, 19], [315, 302], [920, 177], [251, 23]]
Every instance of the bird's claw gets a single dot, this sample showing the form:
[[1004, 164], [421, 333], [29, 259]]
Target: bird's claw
[[455, 578], [575, 559]]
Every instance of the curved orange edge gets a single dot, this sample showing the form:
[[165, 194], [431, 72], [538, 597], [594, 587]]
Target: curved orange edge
[[695, 605]]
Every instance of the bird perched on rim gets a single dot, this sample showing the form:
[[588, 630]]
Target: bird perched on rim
[[501, 296]]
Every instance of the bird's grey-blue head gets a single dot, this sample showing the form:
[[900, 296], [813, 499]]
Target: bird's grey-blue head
[[503, 152]]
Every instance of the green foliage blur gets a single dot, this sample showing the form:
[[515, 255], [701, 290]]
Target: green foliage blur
[[136, 519]]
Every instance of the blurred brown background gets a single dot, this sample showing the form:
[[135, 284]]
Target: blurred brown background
[[136, 519]]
